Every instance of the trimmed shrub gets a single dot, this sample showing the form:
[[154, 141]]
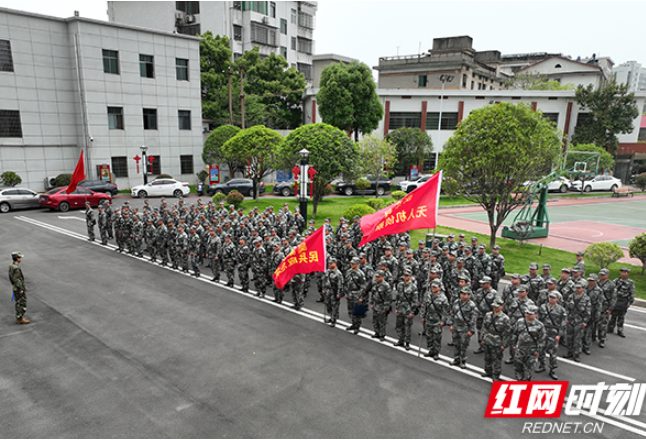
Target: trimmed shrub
[[235, 198], [10, 178], [398, 195], [63, 179], [362, 184], [637, 249], [603, 254], [217, 198], [164, 176], [640, 181], [377, 204], [360, 210], [202, 176]]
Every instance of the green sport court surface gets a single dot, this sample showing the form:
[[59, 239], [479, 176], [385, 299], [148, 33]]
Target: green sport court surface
[[611, 221]]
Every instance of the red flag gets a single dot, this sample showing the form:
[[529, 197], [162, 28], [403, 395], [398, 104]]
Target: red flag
[[78, 176], [307, 257], [418, 210]]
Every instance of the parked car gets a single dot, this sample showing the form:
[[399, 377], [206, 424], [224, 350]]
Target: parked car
[[411, 185], [285, 188], [57, 198], [561, 185], [161, 187], [349, 188], [599, 183], [100, 186], [18, 198], [243, 186]]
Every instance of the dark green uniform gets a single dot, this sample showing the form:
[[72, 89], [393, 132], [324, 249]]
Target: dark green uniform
[[435, 314], [496, 331], [19, 290], [380, 300], [529, 340]]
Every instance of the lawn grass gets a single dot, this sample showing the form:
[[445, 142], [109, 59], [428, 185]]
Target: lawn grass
[[517, 256]]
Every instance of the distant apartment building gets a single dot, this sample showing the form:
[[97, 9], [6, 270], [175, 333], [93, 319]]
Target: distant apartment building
[[565, 70], [631, 73], [78, 84], [282, 27]]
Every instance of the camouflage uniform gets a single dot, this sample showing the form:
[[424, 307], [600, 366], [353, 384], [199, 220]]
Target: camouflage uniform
[[496, 330], [17, 280], [463, 321], [534, 285], [579, 312], [590, 332], [497, 269], [161, 242], [137, 236], [355, 288], [332, 288], [243, 258], [181, 247], [213, 249], [484, 301], [566, 289], [103, 226], [625, 297], [380, 300], [406, 303], [172, 248], [259, 268], [90, 222], [275, 259], [229, 261], [194, 252], [434, 314], [529, 339], [149, 237], [608, 301], [554, 319]]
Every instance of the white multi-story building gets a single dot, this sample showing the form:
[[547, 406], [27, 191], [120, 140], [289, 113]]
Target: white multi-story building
[[631, 73], [283, 27], [107, 88]]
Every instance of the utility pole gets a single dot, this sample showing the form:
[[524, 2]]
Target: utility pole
[[241, 98]]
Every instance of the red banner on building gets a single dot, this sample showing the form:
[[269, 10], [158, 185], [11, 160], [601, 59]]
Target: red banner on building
[[307, 257], [418, 210]]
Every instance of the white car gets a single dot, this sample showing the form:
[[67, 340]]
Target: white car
[[161, 187], [411, 185], [599, 183], [561, 185]]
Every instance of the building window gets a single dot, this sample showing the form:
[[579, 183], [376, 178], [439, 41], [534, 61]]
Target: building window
[[260, 7], [156, 164], [449, 120], [552, 117], [184, 119], [263, 35], [306, 70], [583, 119], [283, 26], [237, 6], [237, 32], [272, 9], [10, 126], [115, 118], [120, 166], [150, 119], [283, 51], [188, 7], [422, 80], [472, 85], [6, 60], [146, 66], [464, 80], [293, 16], [293, 43], [111, 61], [304, 45], [305, 20], [181, 65], [186, 164], [404, 119]]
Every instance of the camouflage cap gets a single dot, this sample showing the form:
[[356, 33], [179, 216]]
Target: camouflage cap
[[462, 235], [401, 243], [15, 255], [582, 284], [547, 266], [531, 309], [465, 290], [460, 259], [434, 270], [497, 302], [485, 279], [451, 235], [580, 254], [331, 260], [515, 275], [356, 217], [604, 271], [496, 248], [577, 268], [436, 283], [533, 266], [461, 243], [257, 240], [408, 272], [355, 260], [311, 222], [463, 277], [426, 251], [566, 270], [551, 280], [521, 288], [379, 273], [482, 246], [409, 251], [388, 248], [593, 277], [362, 255], [436, 241], [474, 239], [555, 294], [625, 269], [421, 242]]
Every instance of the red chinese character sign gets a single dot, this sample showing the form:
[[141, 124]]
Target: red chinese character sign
[[418, 210], [137, 159], [307, 257]]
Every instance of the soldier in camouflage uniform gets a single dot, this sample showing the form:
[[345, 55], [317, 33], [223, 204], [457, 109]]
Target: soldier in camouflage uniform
[[212, 254], [108, 210], [17, 280], [406, 306], [580, 262], [497, 266], [483, 299], [463, 325], [126, 231], [149, 238], [608, 301], [229, 259], [481, 266], [579, 310], [137, 236], [529, 340], [534, 282], [89, 221], [194, 252], [510, 291], [380, 303], [161, 242], [553, 316], [332, 290], [181, 247], [435, 314], [276, 257], [515, 308], [259, 268], [595, 294], [355, 288], [496, 329], [171, 239], [625, 288], [243, 258], [565, 286], [103, 225]]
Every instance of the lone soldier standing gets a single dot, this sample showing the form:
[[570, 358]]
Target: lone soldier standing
[[103, 225], [355, 286], [463, 325], [625, 288], [608, 301], [435, 314], [381, 300], [406, 306], [496, 330], [529, 335], [18, 286], [553, 316], [89, 221]]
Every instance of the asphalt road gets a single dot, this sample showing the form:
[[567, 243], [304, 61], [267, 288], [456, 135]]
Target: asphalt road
[[119, 347]]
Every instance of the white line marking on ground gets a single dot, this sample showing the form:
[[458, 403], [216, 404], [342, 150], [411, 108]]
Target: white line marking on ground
[[71, 218]]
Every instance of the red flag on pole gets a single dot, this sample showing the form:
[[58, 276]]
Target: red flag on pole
[[307, 257], [78, 176], [418, 210]]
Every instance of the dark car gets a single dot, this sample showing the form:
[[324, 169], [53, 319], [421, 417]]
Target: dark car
[[349, 188], [57, 198], [243, 186], [100, 186], [284, 188]]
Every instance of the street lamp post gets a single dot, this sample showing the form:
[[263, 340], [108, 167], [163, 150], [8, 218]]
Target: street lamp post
[[443, 78], [303, 182], [143, 149]]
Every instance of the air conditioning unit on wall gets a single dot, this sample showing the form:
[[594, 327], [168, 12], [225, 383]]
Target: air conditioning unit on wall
[[50, 182]]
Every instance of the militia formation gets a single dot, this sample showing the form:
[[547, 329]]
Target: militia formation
[[451, 284]]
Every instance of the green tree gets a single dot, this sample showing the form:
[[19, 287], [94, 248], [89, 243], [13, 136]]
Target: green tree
[[215, 65], [10, 178], [412, 144], [213, 152], [257, 147], [611, 110], [606, 161], [640, 181], [332, 153], [603, 254], [494, 151], [375, 154], [535, 81], [637, 249], [348, 98]]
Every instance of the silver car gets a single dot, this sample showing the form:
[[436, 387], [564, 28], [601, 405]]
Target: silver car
[[18, 198]]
